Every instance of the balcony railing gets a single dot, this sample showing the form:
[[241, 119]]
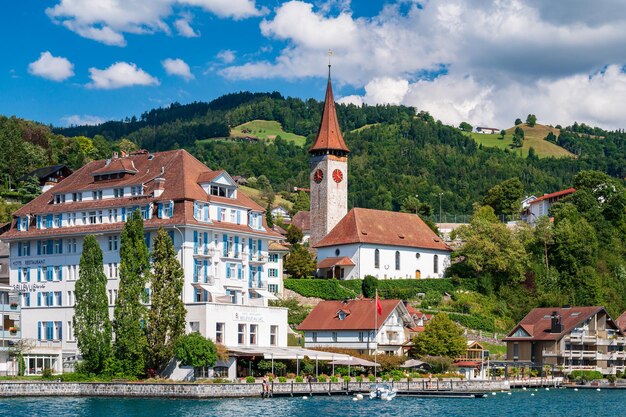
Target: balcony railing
[[257, 258], [201, 251], [258, 285]]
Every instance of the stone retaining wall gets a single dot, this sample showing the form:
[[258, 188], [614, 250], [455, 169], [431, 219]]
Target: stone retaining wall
[[72, 389]]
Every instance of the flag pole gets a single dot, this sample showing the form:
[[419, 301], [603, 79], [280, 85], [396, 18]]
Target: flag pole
[[375, 334]]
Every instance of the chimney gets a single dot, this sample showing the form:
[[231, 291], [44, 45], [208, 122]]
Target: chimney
[[159, 186], [557, 326], [115, 155]]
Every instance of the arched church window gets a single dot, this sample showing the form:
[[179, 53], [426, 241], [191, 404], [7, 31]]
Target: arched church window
[[376, 258], [337, 252], [397, 260], [436, 264]]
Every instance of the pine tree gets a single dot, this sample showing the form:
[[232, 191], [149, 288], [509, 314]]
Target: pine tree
[[92, 325], [269, 219], [166, 318], [129, 318]]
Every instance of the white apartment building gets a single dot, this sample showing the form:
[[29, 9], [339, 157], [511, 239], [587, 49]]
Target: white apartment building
[[219, 234]]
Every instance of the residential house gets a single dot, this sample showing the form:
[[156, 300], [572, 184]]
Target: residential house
[[302, 220], [275, 267], [48, 176], [281, 212], [471, 364], [568, 339], [540, 206], [487, 130], [356, 325], [9, 329]]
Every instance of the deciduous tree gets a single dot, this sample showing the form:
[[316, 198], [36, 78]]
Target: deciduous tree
[[442, 337], [196, 350], [92, 325], [166, 318], [300, 263]]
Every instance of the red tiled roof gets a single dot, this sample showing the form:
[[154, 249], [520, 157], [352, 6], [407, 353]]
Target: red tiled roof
[[277, 247], [417, 329], [115, 166], [329, 135], [538, 322], [384, 228], [553, 195], [467, 364], [339, 261], [209, 176], [180, 171], [302, 220], [621, 321], [361, 317]]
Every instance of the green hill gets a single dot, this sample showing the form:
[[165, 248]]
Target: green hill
[[265, 130], [533, 137]]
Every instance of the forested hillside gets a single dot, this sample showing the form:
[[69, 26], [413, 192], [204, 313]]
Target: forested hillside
[[399, 155]]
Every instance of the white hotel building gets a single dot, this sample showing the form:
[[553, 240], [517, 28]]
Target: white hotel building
[[218, 232]]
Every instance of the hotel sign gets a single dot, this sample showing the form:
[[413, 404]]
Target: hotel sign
[[26, 288], [29, 263], [248, 317]]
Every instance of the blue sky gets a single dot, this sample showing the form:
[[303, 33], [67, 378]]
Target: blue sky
[[486, 62]]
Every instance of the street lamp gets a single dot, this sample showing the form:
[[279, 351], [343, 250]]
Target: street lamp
[[416, 203], [440, 194]]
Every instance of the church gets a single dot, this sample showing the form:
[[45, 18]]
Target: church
[[353, 244]]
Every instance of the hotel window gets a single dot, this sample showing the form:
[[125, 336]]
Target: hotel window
[[233, 216], [254, 328], [222, 214], [71, 245], [273, 335], [376, 259], [58, 220], [100, 217], [219, 332], [58, 298], [273, 258], [71, 219], [112, 215], [24, 223], [397, 260], [272, 272], [314, 337], [334, 336], [72, 272], [113, 243], [70, 298], [58, 246], [361, 336], [110, 297], [194, 326], [436, 264], [77, 196], [136, 190], [273, 288], [26, 300], [70, 332], [92, 217], [84, 214], [96, 195], [241, 334], [59, 198], [25, 275], [118, 192]]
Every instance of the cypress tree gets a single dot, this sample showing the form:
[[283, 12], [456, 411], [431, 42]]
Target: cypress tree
[[166, 318], [130, 314], [92, 325]]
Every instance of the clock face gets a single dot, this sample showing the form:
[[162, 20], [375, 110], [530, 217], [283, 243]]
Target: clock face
[[337, 176], [318, 176]]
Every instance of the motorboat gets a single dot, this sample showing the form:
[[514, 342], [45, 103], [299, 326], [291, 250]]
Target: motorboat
[[382, 392]]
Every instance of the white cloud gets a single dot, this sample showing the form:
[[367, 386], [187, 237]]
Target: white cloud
[[183, 26], [177, 67], [483, 61], [118, 75], [226, 56], [51, 67], [107, 21], [81, 120]]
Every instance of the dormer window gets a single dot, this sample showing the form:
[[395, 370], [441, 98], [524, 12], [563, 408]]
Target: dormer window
[[59, 198], [341, 315], [77, 196], [136, 190], [96, 195], [118, 192]]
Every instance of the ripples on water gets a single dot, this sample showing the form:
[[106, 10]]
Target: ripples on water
[[520, 404]]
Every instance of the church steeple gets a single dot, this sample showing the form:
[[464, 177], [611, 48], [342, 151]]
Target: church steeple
[[329, 139]]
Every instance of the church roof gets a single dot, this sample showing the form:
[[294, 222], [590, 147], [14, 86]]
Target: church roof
[[384, 228], [329, 135]]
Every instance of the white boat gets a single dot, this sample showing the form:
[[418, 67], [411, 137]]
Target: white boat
[[382, 392]]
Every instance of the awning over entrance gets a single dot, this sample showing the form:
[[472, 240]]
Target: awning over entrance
[[287, 353], [335, 261], [210, 288], [264, 294]]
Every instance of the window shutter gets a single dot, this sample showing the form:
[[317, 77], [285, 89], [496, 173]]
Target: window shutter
[[60, 273], [260, 247], [48, 221], [19, 249], [50, 244], [50, 334], [171, 233], [160, 210], [260, 273], [195, 210], [206, 271], [60, 327], [39, 247], [206, 243], [195, 270], [123, 214], [61, 246], [236, 246], [227, 269], [38, 274], [250, 249], [28, 274], [19, 224], [38, 299], [49, 274], [239, 272], [195, 242], [238, 217], [38, 222], [225, 241], [38, 330]]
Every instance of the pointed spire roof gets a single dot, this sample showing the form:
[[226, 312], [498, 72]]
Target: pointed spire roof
[[329, 136]]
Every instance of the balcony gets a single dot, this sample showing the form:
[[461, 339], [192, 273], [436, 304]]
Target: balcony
[[549, 354], [231, 255], [256, 258], [204, 253], [258, 285]]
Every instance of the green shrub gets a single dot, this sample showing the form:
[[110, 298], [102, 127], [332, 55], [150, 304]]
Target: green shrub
[[585, 375], [250, 380], [47, 372], [385, 378], [369, 286], [347, 379], [405, 288], [474, 321], [371, 378], [299, 379], [333, 378], [612, 378], [327, 289], [322, 378], [359, 378], [282, 379]]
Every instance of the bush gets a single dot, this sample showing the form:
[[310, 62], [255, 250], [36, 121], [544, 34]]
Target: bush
[[334, 379], [474, 321], [348, 379], [250, 380], [326, 289], [282, 379], [405, 289], [322, 378], [369, 286], [612, 378], [47, 372], [299, 379], [585, 375], [359, 378], [371, 378]]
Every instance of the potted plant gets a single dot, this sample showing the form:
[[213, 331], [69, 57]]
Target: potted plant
[[13, 329]]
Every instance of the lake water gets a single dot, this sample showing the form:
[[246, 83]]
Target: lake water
[[520, 403]]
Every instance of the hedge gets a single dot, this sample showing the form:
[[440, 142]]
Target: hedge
[[585, 375], [404, 289], [327, 289]]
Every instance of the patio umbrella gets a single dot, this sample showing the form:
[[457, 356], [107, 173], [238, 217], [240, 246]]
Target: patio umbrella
[[414, 363]]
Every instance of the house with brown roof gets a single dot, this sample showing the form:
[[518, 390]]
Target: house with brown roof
[[48, 176], [219, 234], [302, 220], [568, 339], [540, 206], [384, 244], [356, 325]]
